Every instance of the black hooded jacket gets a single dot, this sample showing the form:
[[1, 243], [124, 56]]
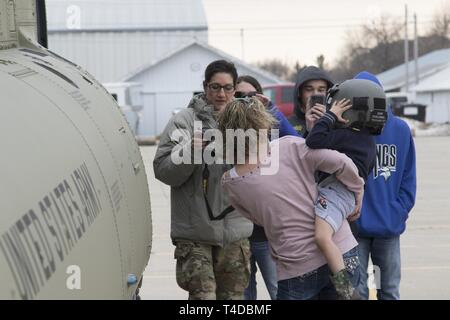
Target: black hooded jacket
[[309, 73]]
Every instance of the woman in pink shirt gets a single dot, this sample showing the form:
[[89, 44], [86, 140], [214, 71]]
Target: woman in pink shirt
[[277, 190]]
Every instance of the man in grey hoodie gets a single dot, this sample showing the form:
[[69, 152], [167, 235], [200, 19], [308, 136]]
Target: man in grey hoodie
[[310, 80], [212, 255]]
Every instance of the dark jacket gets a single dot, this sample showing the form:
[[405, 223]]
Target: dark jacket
[[357, 145], [309, 73]]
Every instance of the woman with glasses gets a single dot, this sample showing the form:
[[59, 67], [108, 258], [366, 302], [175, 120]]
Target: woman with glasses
[[248, 86], [212, 251]]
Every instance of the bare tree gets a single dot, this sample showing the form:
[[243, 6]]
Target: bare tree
[[282, 69], [378, 45], [321, 61], [373, 47], [298, 67], [440, 29], [277, 67], [441, 24], [383, 30]]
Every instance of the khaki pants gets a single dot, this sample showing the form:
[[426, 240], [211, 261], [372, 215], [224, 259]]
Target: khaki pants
[[211, 272]]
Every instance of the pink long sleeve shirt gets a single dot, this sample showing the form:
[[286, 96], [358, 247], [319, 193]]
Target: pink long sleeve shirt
[[283, 203]]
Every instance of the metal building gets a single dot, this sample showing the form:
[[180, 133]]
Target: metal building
[[170, 83], [110, 38], [433, 89], [393, 80], [161, 44], [434, 92]]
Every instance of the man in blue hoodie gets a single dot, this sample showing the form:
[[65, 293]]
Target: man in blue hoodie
[[388, 198]]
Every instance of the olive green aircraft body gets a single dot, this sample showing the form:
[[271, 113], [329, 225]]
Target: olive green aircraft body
[[75, 216]]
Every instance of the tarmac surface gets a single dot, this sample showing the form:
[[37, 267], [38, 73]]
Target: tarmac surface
[[425, 245]]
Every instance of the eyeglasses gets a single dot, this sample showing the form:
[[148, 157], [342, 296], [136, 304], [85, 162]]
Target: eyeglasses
[[215, 87], [247, 100], [240, 94]]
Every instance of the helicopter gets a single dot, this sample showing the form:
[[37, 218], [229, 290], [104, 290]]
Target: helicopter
[[75, 206]]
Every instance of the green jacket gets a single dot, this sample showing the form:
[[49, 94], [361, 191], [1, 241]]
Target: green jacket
[[189, 216]]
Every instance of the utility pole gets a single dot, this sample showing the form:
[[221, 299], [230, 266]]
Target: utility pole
[[406, 50], [242, 44], [416, 51]]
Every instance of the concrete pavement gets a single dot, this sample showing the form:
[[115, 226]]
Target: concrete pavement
[[425, 245]]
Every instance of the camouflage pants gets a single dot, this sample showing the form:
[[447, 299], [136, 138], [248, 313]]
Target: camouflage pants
[[212, 272]]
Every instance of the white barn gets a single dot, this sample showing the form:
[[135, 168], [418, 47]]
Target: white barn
[[170, 83], [110, 38], [433, 89], [393, 80], [161, 44], [434, 92]]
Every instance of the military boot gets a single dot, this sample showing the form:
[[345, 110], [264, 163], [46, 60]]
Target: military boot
[[344, 287]]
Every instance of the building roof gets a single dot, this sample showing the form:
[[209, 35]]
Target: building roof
[[428, 64], [205, 46], [111, 15], [440, 81]]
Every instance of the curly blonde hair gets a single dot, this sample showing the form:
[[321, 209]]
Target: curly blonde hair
[[245, 114]]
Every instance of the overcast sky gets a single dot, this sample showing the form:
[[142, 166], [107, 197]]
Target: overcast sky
[[301, 29]]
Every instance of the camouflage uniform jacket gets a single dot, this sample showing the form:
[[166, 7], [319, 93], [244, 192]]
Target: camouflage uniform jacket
[[189, 216]]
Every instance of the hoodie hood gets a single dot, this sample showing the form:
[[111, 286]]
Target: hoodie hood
[[202, 109], [198, 103], [368, 76], [307, 74]]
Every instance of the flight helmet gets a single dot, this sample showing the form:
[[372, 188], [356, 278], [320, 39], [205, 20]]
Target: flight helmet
[[368, 104]]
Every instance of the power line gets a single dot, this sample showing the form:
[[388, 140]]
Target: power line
[[265, 22], [300, 27]]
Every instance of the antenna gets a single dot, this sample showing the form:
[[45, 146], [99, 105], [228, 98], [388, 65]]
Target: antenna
[[406, 51], [242, 43], [416, 51]]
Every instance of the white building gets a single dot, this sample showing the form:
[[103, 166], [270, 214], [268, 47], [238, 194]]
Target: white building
[[161, 44], [393, 80], [110, 38], [170, 83], [434, 92], [433, 88]]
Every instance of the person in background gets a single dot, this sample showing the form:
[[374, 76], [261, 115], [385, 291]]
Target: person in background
[[249, 86], [310, 80], [389, 197], [212, 254], [259, 246]]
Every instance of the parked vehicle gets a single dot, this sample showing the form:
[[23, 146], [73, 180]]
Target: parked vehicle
[[282, 96], [397, 99], [403, 106]]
